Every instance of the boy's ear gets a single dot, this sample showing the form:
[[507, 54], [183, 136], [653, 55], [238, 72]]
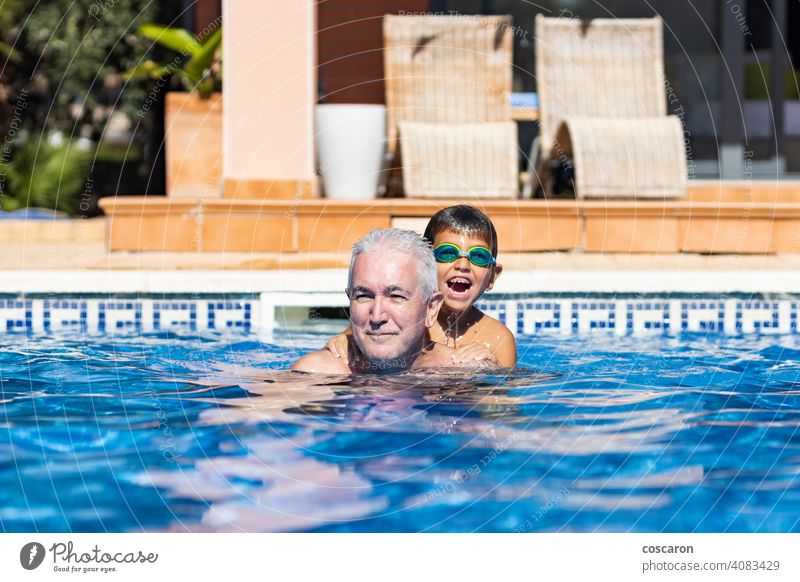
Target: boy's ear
[[498, 268]]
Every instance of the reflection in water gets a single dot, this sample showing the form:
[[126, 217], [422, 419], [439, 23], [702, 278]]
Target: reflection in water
[[274, 487], [281, 485]]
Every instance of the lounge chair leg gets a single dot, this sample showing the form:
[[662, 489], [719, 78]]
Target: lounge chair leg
[[532, 183], [383, 178]]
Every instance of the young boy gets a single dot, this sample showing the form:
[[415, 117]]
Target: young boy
[[465, 248]]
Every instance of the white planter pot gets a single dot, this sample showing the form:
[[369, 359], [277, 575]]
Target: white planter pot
[[351, 143]]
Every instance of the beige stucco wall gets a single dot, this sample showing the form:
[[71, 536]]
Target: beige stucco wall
[[269, 89]]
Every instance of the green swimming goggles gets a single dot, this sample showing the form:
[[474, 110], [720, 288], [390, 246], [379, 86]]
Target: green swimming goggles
[[478, 256]]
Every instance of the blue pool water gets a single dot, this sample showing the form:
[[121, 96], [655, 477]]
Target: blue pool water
[[204, 433]]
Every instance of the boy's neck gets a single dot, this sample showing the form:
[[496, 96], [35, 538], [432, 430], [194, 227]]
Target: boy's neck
[[455, 322]]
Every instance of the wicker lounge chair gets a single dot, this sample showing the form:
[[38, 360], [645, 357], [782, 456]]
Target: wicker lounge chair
[[448, 81], [603, 107]]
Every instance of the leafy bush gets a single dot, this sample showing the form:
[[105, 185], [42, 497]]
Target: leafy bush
[[61, 65], [45, 173], [80, 49]]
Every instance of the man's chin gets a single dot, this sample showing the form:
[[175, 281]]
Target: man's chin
[[382, 345], [377, 366], [378, 355], [385, 357]]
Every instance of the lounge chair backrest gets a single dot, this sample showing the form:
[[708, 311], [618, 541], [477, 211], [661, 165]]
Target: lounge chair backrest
[[598, 68], [446, 69]]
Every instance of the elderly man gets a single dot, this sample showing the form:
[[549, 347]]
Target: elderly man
[[394, 300]]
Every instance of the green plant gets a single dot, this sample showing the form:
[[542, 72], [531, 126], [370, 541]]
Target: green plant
[[10, 11], [44, 173], [11, 14], [198, 64], [7, 51]]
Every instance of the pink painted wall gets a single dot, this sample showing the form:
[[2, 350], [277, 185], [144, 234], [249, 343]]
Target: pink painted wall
[[269, 89]]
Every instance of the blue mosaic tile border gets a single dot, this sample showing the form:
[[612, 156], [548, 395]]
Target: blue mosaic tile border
[[647, 315], [524, 316], [126, 315]]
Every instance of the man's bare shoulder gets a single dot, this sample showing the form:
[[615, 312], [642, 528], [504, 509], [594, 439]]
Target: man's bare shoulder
[[321, 362]]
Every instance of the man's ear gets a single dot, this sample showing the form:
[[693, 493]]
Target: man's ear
[[498, 268], [434, 305]]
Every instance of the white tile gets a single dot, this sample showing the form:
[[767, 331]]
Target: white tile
[[760, 316], [703, 315], [147, 314], [92, 319], [120, 315], [594, 314], [227, 313], [37, 315], [176, 314], [12, 311], [66, 314], [541, 316], [654, 317]]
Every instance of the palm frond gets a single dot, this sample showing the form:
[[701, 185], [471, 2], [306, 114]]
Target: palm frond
[[176, 39], [47, 176]]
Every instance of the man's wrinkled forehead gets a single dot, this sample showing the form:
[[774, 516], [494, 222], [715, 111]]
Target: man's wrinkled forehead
[[390, 290], [383, 270]]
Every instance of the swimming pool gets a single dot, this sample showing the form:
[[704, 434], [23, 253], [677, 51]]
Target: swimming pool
[[199, 431]]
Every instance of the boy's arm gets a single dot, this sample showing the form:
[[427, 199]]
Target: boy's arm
[[474, 352], [505, 348]]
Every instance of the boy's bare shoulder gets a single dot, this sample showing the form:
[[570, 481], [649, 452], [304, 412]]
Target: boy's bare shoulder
[[490, 328], [320, 362], [499, 339]]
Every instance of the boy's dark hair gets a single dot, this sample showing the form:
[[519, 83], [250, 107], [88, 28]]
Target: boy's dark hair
[[463, 219]]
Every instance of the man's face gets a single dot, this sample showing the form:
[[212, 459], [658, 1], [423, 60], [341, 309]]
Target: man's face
[[387, 312]]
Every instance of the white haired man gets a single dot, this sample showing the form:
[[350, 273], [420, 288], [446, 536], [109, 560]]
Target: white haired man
[[394, 299]]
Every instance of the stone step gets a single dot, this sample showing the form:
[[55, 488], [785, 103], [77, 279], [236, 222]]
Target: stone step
[[743, 217]]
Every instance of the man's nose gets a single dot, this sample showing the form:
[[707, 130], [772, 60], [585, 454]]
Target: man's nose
[[377, 315]]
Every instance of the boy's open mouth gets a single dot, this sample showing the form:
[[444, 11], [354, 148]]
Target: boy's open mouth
[[459, 286]]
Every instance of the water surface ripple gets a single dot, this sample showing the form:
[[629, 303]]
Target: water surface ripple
[[180, 432]]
